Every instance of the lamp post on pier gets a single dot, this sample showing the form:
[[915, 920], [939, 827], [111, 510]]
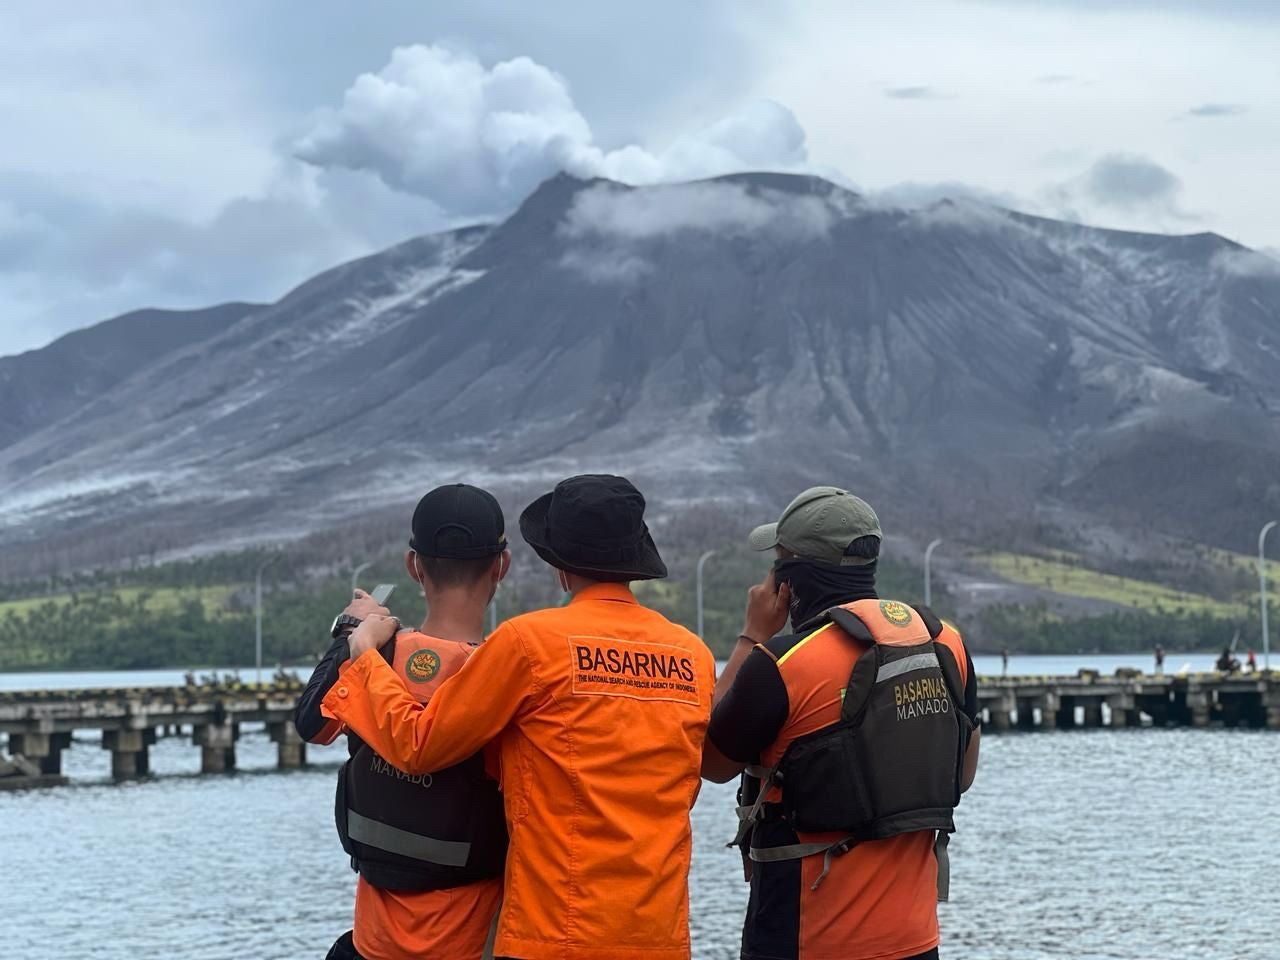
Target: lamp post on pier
[[257, 609], [701, 561], [355, 574], [928, 582], [1262, 593]]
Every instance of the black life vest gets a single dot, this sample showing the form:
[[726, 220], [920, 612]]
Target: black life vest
[[422, 832], [892, 763]]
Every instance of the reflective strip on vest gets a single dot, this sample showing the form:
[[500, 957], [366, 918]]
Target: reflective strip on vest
[[375, 833], [896, 668]]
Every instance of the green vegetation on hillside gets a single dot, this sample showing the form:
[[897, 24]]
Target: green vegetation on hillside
[[199, 613], [1033, 629], [1065, 574]]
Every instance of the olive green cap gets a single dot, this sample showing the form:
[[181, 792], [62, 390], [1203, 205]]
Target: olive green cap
[[820, 524]]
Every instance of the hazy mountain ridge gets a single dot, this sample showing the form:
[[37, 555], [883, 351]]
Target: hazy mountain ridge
[[730, 339]]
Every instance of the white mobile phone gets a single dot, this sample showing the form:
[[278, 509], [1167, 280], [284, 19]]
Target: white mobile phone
[[382, 593]]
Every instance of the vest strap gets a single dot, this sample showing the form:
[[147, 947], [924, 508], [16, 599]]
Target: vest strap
[[747, 816], [375, 833], [944, 865], [798, 851]]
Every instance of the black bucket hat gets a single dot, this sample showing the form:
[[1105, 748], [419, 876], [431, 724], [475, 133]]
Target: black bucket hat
[[593, 525]]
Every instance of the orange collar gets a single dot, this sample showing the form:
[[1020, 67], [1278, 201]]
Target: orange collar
[[605, 591]]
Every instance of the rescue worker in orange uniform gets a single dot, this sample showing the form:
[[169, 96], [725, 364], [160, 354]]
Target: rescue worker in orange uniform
[[857, 733], [429, 850], [598, 708]]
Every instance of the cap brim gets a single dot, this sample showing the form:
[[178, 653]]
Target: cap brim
[[764, 537], [648, 565]]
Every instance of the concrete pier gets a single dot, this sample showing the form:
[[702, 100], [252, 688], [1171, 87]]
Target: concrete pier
[[39, 723], [1131, 699]]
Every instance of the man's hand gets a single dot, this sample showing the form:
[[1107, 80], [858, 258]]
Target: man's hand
[[363, 607], [768, 606], [372, 633]]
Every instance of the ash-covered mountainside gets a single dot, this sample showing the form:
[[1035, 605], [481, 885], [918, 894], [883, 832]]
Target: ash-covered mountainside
[[723, 340]]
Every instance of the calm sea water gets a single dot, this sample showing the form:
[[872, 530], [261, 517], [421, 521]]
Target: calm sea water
[[1133, 844]]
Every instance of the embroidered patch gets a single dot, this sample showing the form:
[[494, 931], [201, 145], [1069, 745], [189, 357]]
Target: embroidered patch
[[605, 667], [422, 665], [899, 614]]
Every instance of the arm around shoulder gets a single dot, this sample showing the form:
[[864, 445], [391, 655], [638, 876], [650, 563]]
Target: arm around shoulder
[[468, 710]]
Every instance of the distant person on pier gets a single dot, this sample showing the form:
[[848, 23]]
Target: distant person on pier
[[1004, 663], [1251, 663], [599, 709], [430, 851], [834, 873], [1228, 662], [1159, 660]]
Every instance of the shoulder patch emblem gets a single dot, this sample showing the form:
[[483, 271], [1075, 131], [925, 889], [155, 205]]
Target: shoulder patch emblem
[[422, 665], [899, 614]]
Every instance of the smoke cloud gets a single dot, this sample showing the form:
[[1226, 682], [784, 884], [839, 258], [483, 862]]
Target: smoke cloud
[[475, 140]]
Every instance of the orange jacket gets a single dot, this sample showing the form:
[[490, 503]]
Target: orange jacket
[[599, 709]]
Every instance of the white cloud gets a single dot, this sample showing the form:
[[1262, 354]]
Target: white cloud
[[476, 140], [964, 214], [914, 196], [611, 223], [610, 265], [1249, 263], [715, 207]]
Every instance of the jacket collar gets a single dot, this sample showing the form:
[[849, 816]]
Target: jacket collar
[[605, 591]]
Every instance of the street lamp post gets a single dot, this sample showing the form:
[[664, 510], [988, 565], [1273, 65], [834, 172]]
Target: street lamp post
[[1262, 593], [928, 581], [257, 604], [701, 561], [355, 574]]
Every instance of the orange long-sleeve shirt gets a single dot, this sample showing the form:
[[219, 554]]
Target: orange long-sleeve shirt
[[599, 709]]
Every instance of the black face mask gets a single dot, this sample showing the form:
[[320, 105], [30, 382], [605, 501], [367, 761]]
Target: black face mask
[[817, 586]]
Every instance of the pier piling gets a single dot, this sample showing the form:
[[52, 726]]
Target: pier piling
[[217, 744], [130, 757], [291, 749], [44, 749], [1123, 710], [1093, 713]]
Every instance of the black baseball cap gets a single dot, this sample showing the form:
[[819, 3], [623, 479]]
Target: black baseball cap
[[458, 522]]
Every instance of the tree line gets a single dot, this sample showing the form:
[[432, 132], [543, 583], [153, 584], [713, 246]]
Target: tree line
[[162, 615]]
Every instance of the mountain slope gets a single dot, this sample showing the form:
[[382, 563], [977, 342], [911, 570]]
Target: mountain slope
[[40, 387], [733, 339]]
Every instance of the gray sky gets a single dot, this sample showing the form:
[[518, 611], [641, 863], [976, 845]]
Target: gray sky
[[162, 154]]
